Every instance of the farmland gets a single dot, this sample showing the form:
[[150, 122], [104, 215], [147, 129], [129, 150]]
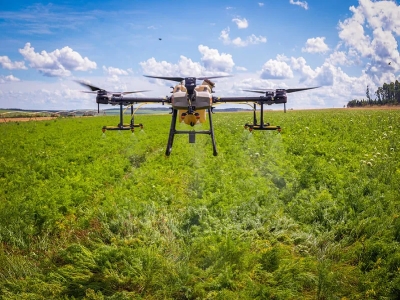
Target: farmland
[[310, 213]]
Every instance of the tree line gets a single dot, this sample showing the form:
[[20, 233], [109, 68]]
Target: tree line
[[388, 94]]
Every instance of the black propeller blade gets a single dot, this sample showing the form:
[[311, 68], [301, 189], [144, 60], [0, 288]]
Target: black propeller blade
[[134, 92], [96, 90], [300, 89], [212, 77], [256, 91], [261, 91], [179, 79], [92, 87]]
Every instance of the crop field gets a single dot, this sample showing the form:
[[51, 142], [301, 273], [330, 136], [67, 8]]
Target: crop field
[[312, 212]]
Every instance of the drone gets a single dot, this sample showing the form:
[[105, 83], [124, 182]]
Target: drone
[[191, 103]]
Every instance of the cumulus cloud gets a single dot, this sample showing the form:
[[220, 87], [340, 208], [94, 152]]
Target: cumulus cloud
[[340, 58], [240, 68], [115, 71], [58, 63], [241, 23], [213, 63], [162, 68], [300, 65], [372, 32], [6, 63], [250, 40], [303, 4], [315, 45], [325, 75], [276, 69], [336, 87], [9, 78]]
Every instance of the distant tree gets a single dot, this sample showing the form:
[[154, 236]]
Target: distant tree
[[387, 94], [368, 96], [397, 91]]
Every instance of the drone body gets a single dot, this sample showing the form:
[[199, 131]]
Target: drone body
[[191, 103], [199, 99]]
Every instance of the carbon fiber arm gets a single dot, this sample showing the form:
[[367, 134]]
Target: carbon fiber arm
[[131, 100], [261, 99]]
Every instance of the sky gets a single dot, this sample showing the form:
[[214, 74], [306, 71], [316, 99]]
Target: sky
[[341, 46]]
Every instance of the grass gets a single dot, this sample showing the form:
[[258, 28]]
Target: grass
[[310, 213]]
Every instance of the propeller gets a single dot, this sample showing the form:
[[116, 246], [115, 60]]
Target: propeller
[[261, 91], [92, 87], [179, 79], [300, 89], [96, 90]]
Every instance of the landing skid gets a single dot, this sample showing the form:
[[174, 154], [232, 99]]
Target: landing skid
[[262, 125], [121, 126], [192, 133]]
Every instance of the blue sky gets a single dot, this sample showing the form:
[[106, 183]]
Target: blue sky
[[342, 46]]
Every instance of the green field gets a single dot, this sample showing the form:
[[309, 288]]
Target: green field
[[310, 213]]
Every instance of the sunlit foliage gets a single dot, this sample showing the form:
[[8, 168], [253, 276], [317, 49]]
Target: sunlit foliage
[[310, 213]]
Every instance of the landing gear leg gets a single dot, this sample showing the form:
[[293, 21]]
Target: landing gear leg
[[171, 132], [132, 118], [215, 153]]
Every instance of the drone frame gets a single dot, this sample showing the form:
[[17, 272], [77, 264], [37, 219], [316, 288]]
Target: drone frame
[[192, 133], [118, 98]]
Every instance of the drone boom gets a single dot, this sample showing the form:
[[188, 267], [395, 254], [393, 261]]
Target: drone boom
[[191, 104]]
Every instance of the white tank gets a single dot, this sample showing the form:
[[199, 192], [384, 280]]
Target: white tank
[[203, 97]]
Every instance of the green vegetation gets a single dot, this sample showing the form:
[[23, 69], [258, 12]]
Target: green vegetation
[[311, 213]]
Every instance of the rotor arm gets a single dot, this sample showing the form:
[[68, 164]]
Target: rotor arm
[[261, 99], [131, 100]]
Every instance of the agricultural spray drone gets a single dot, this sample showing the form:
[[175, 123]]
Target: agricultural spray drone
[[191, 103]]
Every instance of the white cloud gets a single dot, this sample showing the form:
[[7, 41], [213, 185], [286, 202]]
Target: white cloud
[[299, 64], [340, 58], [303, 4], [163, 68], [260, 4], [315, 45], [113, 78], [276, 69], [187, 67], [6, 63], [45, 95], [250, 40], [240, 68], [114, 71], [9, 78], [372, 32], [328, 75], [58, 63], [241, 23], [213, 62]]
